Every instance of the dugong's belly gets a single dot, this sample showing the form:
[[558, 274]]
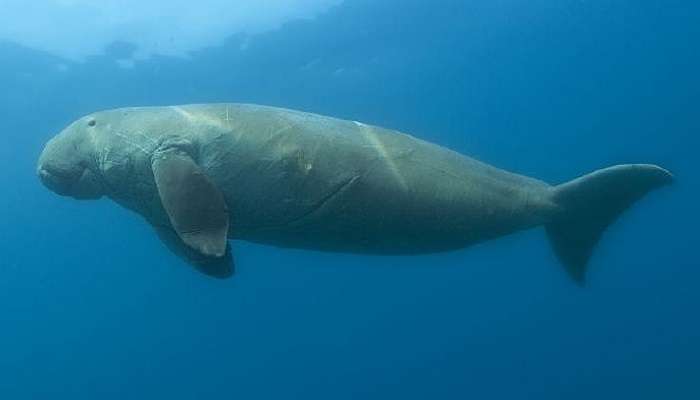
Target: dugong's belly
[[320, 183]]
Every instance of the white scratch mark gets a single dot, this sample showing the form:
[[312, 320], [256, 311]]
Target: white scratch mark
[[148, 139], [131, 143]]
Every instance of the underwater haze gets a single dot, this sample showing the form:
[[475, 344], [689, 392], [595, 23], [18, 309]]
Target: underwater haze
[[93, 306]]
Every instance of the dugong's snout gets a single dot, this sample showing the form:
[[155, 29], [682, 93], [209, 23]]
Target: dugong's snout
[[82, 184], [65, 170], [55, 180]]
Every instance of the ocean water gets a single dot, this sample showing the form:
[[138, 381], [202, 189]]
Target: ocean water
[[93, 306]]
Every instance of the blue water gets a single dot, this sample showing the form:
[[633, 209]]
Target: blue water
[[92, 306]]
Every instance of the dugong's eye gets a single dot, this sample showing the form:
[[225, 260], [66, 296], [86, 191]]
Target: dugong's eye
[[92, 122]]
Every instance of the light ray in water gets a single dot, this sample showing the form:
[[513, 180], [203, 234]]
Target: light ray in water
[[376, 143], [203, 118]]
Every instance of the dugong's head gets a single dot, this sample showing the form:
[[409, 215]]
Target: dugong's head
[[68, 164]]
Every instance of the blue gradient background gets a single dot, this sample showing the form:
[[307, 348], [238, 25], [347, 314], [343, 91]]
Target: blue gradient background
[[93, 307]]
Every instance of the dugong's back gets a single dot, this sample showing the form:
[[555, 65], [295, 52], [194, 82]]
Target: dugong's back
[[303, 180]]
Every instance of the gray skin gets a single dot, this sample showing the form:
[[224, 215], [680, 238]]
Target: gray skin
[[202, 174]]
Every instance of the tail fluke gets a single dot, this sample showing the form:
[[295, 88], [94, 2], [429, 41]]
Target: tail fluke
[[591, 203]]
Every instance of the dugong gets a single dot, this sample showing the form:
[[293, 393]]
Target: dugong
[[203, 174]]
